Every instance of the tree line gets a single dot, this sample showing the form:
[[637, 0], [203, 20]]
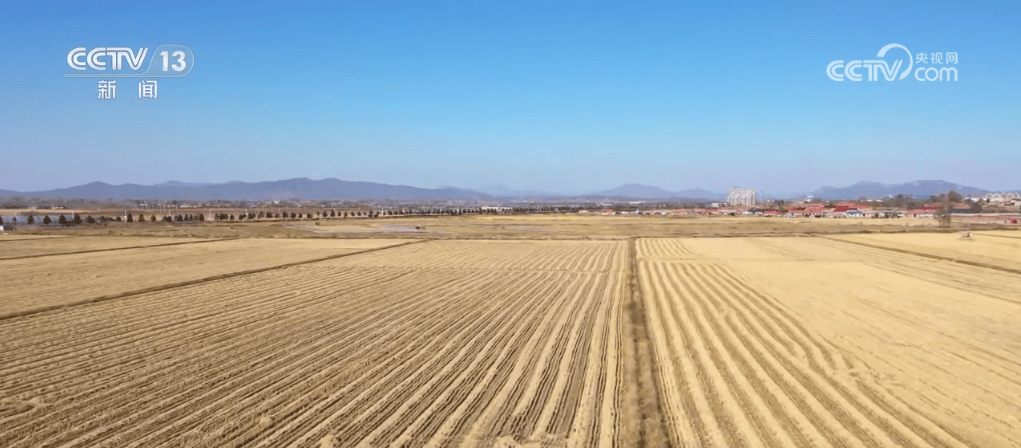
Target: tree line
[[76, 219]]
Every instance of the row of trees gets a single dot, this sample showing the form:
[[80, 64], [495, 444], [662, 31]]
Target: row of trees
[[62, 220], [406, 211], [341, 214], [167, 218], [77, 219]]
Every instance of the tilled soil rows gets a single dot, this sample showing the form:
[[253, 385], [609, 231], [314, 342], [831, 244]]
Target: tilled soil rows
[[399, 347], [858, 341], [815, 342]]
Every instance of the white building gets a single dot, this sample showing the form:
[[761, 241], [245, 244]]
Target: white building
[[1002, 197], [741, 197]]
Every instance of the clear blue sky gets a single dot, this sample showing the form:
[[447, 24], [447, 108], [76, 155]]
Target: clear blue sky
[[564, 96]]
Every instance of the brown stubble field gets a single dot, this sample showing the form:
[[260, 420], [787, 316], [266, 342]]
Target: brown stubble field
[[389, 348], [814, 342], [86, 274], [471, 339]]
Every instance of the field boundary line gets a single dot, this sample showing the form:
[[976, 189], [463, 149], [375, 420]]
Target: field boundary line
[[931, 256], [652, 429], [17, 314], [113, 248], [4, 240]]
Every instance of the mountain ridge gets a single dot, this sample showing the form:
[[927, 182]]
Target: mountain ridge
[[917, 188], [296, 188], [304, 188]]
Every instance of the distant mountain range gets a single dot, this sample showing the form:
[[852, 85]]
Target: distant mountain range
[[330, 189], [918, 188], [301, 188]]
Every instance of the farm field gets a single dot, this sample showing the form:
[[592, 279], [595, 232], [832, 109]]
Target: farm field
[[11, 236], [32, 284], [605, 227], [813, 342], [30, 247], [994, 248], [1000, 233], [399, 347], [574, 256], [809, 341], [552, 227]]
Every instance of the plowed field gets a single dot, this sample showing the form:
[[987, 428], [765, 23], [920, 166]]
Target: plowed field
[[812, 342], [522, 346], [40, 283], [902, 340], [1001, 249], [33, 246]]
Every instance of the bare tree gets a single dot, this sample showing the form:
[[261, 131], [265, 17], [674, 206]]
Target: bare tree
[[944, 212]]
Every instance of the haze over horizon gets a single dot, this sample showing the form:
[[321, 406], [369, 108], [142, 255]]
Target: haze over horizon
[[569, 98], [338, 189]]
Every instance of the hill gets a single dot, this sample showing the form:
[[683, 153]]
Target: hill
[[918, 188], [300, 188]]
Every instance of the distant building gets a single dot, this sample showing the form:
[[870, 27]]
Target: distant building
[[741, 197], [1002, 197]]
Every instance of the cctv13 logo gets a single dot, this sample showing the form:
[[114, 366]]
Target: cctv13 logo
[[166, 61]]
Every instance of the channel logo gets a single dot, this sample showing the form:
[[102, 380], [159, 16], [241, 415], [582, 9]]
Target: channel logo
[[166, 61], [895, 62]]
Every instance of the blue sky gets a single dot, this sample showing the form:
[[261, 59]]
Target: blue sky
[[563, 96]]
